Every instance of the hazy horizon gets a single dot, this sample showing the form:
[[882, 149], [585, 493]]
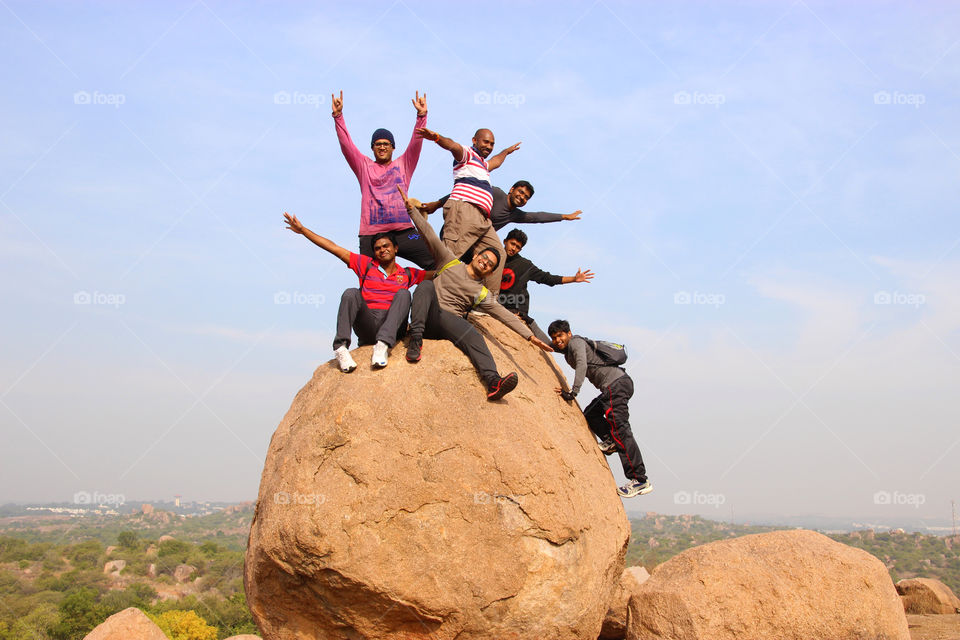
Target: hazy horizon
[[769, 203]]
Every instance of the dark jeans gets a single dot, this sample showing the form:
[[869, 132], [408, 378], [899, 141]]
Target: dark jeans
[[410, 246], [609, 414], [371, 325], [428, 320]]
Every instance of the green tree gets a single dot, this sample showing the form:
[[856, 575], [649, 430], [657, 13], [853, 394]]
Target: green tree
[[129, 540], [184, 625]]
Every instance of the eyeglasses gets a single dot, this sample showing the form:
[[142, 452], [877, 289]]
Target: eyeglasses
[[381, 145]]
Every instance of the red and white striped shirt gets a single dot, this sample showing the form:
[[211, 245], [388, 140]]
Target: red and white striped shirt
[[471, 180]]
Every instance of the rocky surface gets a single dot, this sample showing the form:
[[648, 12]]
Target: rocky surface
[[927, 595], [785, 585], [615, 622], [400, 503], [129, 624]]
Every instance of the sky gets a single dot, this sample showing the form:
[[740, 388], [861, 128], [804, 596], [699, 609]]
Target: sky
[[769, 195]]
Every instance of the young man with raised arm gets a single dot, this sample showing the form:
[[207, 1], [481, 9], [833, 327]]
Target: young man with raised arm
[[519, 271], [440, 307], [381, 209], [506, 207], [608, 415], [377, 310], [466, 214]]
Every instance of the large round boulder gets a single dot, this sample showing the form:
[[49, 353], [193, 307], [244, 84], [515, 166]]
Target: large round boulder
[[129, 624], [784, 585], [400, 503], [927, 595]]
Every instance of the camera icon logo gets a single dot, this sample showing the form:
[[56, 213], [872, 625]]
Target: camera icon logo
[[481, 97], [682, 497], [882, 497], [82, 297], [881, 97], [682, 97], [82, 497], [81, 97], [281, 297], [281, 97], [882, 297], [681, 297]]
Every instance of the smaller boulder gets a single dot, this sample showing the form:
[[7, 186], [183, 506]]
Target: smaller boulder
[[111, 549], [245, 636], [927, 595], [129, 624], [114, 567], [615, 622], [183, 572], [165, 538], [152, 571]]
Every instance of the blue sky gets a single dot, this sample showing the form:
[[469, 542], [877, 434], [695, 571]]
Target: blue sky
[[790, 169]]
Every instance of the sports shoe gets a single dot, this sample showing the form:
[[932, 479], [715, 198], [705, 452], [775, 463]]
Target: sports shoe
[[502, 386], [344, 359], [379, 359], [607, 446], [634, 488], [414, 345]]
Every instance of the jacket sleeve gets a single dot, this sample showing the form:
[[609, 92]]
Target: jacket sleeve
[[440, 252], [523, 217], [411, 155], [578, 348], [495, 309], [543, 277], [353, 155]]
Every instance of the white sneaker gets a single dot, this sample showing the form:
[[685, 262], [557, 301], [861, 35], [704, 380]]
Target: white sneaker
[[344, 359], [379, 359]]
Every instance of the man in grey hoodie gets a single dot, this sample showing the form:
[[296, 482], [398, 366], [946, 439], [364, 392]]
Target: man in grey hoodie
[[608, 415]]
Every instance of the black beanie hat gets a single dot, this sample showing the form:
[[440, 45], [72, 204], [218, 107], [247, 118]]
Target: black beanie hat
[[382, 134]]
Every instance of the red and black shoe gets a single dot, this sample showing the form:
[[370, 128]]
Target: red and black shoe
[[502, 386], [414, 345]]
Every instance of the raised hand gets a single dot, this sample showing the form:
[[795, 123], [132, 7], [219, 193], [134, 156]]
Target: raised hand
[[292, 223], [583, 276], [540, 343], [411, 203], [426, 134], [420, 104], [511, 148], [337, 104], [572, 216]]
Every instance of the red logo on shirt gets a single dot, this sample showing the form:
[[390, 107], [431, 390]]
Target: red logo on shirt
[[508, 279]]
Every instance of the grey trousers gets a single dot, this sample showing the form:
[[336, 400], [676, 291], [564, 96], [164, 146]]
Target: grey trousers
[[428, 320], [371, 325]]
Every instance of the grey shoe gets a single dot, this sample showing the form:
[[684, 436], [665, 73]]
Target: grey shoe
[[379, 359], [634, 488], [607, 446]]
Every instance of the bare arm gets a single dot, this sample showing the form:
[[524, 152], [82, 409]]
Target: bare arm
[[582, 276], [452, 146], [294, 225], [440, 252], [498, 159]]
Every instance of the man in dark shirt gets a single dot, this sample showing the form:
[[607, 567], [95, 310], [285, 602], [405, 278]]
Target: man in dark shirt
[[518, 271], [506, 207], [608, 415]]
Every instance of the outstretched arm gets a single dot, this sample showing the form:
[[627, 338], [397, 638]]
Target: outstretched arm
[[440, 252], [350, 152], [294, 225], [498, 159], [450, 145], [582, 276]]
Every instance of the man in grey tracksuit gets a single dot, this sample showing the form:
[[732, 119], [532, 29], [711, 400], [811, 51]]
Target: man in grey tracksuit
[[608, 415]]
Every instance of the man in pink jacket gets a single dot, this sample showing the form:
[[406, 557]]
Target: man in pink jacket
[[381, 207]]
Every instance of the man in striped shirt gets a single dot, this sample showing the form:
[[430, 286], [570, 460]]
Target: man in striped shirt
[[466, 214], [377, 310]]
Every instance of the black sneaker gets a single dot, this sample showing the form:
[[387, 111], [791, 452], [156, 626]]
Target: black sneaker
[[502, 386], [413, 349]]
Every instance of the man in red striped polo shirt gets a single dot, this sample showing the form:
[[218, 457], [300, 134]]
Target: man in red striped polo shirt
[[376, 311], [466, 214]]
